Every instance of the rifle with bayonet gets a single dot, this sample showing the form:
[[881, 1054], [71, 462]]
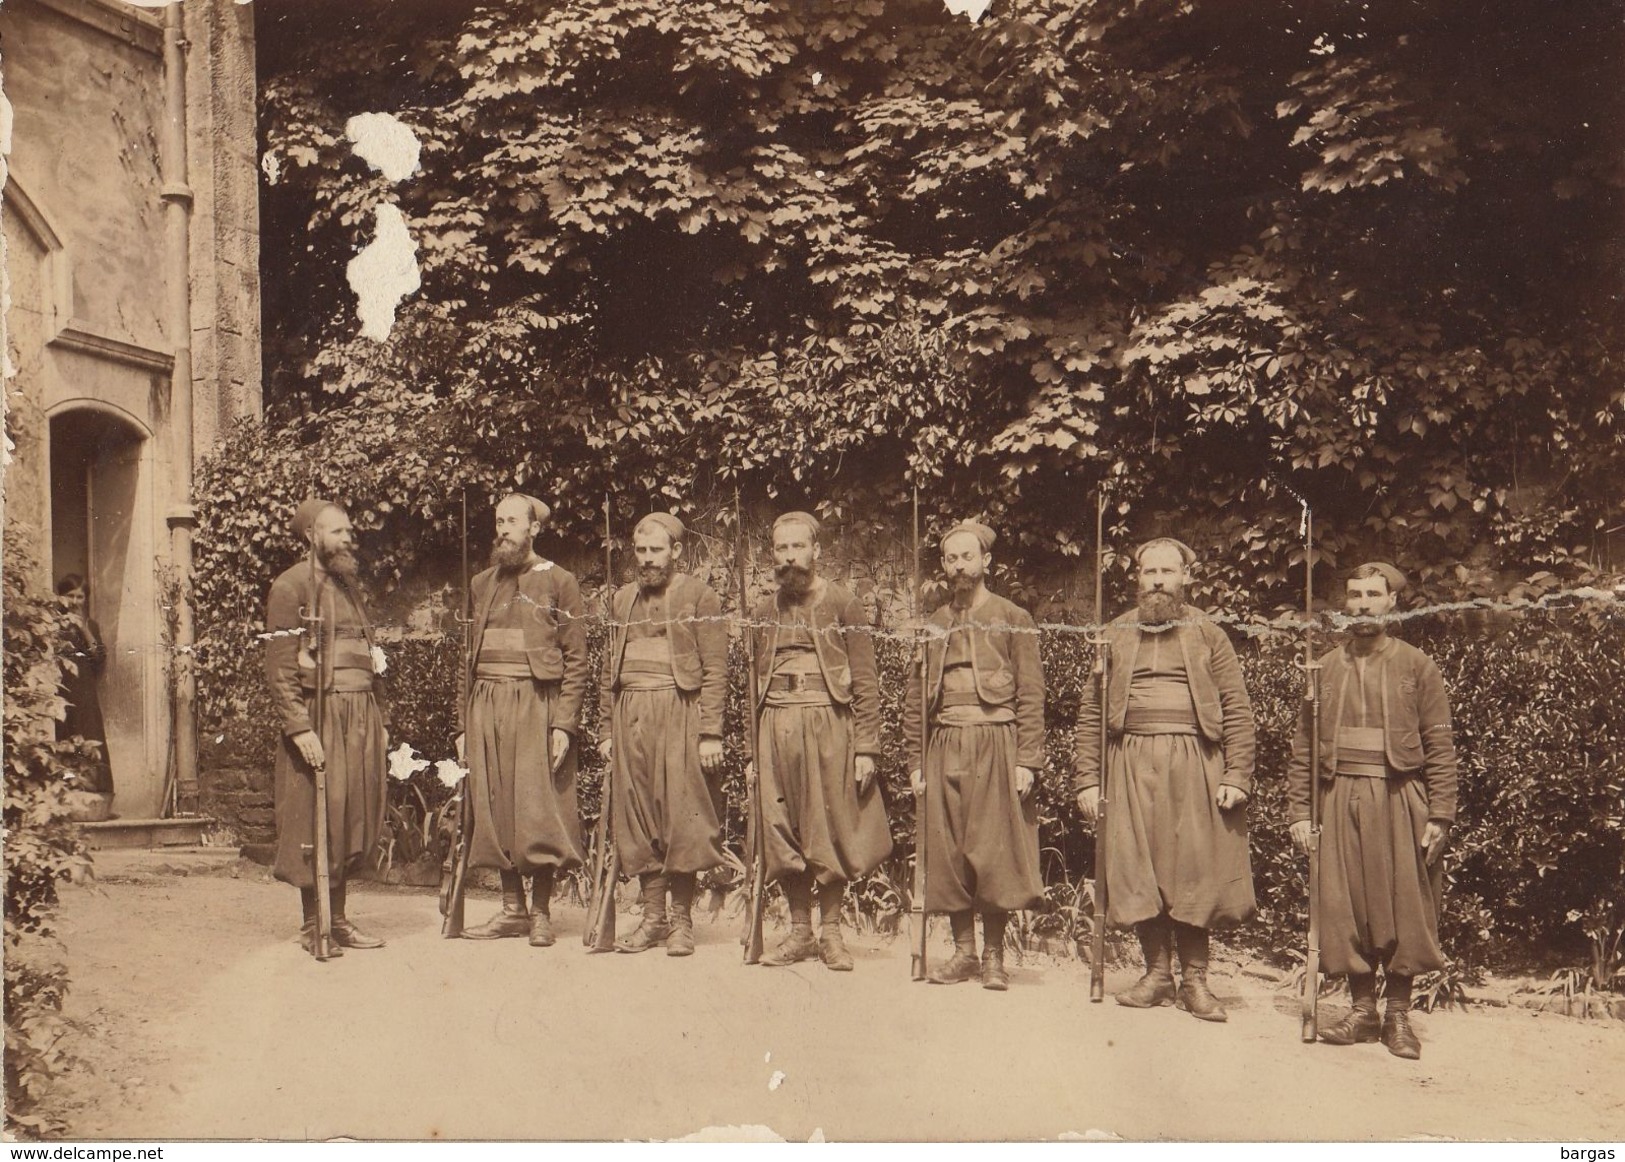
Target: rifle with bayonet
[[1309, 1014], [606, 862], [918, 918], [315, 632], [1102, 676], [454, 884], [756, 869]]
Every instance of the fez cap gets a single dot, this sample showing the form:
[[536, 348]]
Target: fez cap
[[1187, 555], [665, 520], [984, 535], [799, 517], [304, 517], [539, 512], [1397, 581]]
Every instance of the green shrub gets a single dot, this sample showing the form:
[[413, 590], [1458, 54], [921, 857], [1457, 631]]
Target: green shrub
[[42, 846]]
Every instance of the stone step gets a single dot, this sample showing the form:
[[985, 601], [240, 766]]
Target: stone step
[[184, 831], [137, 864]]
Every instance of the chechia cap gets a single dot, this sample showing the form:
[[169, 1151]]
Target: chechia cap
[[1187, 555], [984, 535], [665, 520], [539, 512], [798, 517], [304, 517], [1397, 581]]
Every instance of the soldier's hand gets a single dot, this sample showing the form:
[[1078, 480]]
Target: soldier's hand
[[710, 755], [606, 749], [865, 771], [1229, 797], [1434, 837], [1024, 781], [750, 775], [310, 748], [1089, 803], [916, 781], [1301, 832], [561, 746]]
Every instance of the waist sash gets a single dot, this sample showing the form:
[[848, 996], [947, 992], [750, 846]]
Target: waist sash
[[1160, 707], [1362, 751]]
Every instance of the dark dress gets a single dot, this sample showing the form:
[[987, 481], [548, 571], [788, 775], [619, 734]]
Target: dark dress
[[83, 647]]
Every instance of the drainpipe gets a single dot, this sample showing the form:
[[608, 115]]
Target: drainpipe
[[176, 194]]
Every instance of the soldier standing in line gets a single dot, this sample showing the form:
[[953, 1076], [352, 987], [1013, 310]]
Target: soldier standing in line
[[529, 676], [986, 691], [664, 685], [1179, 772], [817, 702], [352, 742], [1388, 767]]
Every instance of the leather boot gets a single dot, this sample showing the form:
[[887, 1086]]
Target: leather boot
[[1361, 1023], [962, 965], [513, 920], [541, 908], [993, 974], [799, 944], [346, 934], [1358, 1026], [831, 945], [1156, 987], [681, 940], [1397, 1034], [307, 940], [653, 928], [1194, 995], [307, 924]]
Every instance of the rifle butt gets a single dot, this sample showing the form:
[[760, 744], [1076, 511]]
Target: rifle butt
[[605, 871], [758, 883], [1311, 964], [919, 918], [451, 926], [321, 946], [1097, 936]]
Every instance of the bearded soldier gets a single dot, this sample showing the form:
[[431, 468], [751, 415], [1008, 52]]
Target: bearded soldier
[[817, 699], [986, 693], [352, 741], [1179, 771], [665, 681], [529, 663], [1388, 765]]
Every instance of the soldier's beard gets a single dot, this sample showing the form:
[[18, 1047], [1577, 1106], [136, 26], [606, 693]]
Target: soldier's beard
[[964, 585], [1160, 606], [508, 555], [795, 581], [342, 563], [654, 578], [1365, 628]]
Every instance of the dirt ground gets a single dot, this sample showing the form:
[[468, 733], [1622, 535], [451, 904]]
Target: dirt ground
[[199, 1017]]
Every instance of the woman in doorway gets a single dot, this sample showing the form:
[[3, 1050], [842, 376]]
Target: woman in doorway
[[84, 648]]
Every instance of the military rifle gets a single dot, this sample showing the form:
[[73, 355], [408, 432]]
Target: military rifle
[[1102, 675], [918, 917], [1311, 695], [606, 862], [314, 625], [757, 845], [455, 883]]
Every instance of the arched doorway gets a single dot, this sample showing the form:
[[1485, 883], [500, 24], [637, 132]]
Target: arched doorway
[[100, 529]]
